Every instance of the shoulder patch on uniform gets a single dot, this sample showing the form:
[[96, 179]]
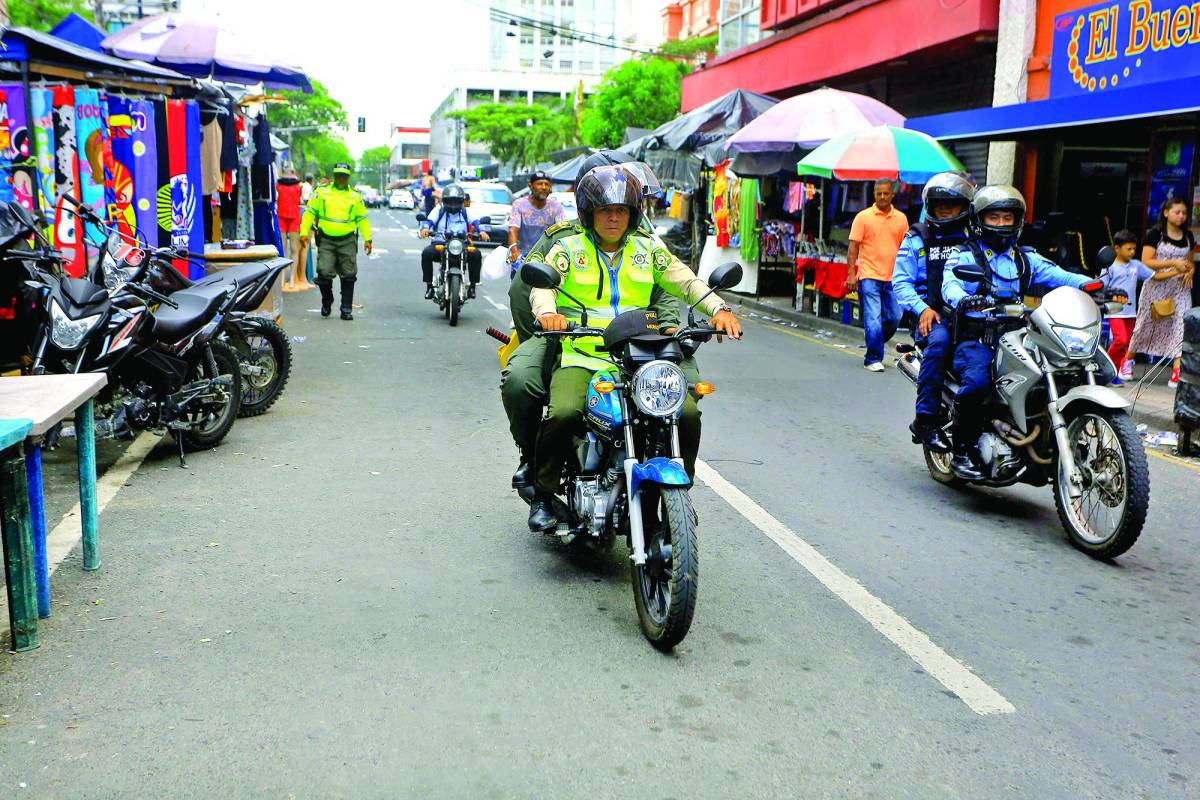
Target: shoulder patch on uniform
[[639, 259], [560, 260], [661, 257], [566, 225]]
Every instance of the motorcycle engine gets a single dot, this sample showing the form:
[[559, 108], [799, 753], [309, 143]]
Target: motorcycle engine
[[997, 457], [591, 504]]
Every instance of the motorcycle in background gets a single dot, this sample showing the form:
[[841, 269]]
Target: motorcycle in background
[[450, 279], [627, 475]]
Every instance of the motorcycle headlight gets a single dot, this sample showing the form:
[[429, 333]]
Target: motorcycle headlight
[[1078, 342], [659, 389], [455, 247], [67, 333]]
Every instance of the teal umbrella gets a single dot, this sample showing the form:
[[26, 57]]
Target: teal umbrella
[[880, 153]]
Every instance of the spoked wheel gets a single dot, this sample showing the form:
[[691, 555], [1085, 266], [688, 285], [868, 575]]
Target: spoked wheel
[[455, 301], [268, 369], [664, 589], [213, 419], [1107, 518], [939, 468]]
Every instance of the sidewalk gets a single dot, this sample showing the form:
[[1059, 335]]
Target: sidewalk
[[1154, 403]]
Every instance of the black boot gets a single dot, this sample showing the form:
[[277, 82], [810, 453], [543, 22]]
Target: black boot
[[541, 514], [471, 292], [347, 298], [326, 287], [429, 291], [927, 432]]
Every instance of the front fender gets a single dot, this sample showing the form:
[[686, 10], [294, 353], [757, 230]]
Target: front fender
[[1095, 395], [662, 471]]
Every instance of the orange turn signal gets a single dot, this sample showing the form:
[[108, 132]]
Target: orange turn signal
[[604, 387], [704, 387], [471, 248], [439, 247]]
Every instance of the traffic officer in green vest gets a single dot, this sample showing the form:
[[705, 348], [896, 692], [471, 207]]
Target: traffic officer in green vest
[[612, 272], [524, 381], [340, 217]]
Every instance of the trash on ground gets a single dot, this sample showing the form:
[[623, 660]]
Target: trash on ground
[[299, 339], [1164, 438]]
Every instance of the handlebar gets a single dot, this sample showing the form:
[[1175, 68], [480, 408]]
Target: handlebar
[[143, 289]]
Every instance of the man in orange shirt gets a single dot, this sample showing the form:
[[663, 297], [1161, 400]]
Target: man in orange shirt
[[875, 239]]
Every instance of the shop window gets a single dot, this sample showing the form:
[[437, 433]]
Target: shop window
[[414, 151]]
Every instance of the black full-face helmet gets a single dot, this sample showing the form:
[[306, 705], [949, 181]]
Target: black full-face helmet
[[609, 186], [601, 158], [950, 188], [453, 197], [998, 198]]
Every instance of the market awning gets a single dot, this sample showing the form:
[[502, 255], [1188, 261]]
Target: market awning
[[1113, 105], [77, 30], [42, 49]]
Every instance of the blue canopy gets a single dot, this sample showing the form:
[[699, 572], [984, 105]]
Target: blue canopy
[[23, 44], [1112, 105], [77, 30]]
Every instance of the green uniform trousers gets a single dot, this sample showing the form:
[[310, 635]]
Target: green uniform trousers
[[337, 258], [568, 397]]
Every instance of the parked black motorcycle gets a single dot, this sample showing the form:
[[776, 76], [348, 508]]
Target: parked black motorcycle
[[167, 368], [263, 348], [450, 279]]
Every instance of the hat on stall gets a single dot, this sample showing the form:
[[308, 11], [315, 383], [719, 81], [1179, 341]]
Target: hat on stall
[[341, 168]]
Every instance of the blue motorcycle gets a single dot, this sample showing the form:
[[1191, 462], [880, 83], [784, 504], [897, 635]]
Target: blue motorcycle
[[627, 475]]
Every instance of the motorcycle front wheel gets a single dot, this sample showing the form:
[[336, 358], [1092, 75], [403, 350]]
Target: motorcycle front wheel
[[938, 465], [664, 588], [271, 365], [212, 422], [1107, 518], [455, 301]]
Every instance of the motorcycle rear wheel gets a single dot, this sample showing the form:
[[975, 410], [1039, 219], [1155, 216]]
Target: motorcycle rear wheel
[[938, 465], [1108, 518], [664, 588], [455, 301], [272, 351], [212, 430]]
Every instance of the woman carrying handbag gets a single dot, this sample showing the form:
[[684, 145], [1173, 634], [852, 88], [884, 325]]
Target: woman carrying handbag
[[1168, 251]]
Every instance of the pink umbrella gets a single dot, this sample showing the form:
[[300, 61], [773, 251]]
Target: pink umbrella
[[811, 119]]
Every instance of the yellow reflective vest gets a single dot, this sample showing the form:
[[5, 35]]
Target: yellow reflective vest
[[336, 212]]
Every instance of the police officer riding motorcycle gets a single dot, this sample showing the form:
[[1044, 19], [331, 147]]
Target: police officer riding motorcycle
[[917, 282], [451, 219]]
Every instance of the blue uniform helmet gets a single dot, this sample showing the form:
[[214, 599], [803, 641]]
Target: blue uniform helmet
[[453, 197]]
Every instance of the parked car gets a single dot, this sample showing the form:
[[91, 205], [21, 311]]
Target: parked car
[[568, 203], [401, 199], [371, 197], [489, 199]]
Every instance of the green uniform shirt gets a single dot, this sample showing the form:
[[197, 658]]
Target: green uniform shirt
[[336, 212]]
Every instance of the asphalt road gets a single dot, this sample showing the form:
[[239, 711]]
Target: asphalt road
[[343, 601]]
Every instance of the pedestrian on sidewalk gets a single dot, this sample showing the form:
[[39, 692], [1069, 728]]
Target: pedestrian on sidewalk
[[531, 216], [1123, 277], [875, 238], [1163, 302]]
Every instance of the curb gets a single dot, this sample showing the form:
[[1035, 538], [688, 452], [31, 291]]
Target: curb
[[1155, 419]]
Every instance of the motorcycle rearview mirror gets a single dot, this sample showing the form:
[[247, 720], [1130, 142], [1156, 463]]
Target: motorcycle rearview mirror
[[485, 220], [969, 272], [726, 276], [421, 216], [1106, 257], [540, 275]]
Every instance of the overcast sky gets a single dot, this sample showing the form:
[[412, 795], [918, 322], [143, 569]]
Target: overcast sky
[[387, 60]]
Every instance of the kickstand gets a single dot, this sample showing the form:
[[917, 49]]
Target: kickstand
[[179, 441]]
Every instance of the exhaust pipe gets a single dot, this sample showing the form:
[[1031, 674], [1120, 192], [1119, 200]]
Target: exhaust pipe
[[910, 366]]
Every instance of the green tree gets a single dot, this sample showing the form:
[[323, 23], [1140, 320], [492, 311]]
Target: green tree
[[641, 93], [373, 166], [691, 49], [42, 15], [520, 135], [323, 116]]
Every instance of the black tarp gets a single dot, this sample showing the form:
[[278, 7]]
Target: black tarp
[[710, 124]]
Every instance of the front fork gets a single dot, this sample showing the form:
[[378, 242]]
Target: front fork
[[637, 532], [1066, 455]]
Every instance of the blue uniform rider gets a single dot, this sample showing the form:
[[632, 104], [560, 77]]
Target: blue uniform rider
[[452, 218], [917, 283], [997, 216]]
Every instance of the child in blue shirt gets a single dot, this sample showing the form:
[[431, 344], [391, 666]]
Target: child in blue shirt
[[1123, 278]]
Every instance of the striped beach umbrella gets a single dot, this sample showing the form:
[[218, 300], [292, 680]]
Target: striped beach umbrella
[[880, 153]]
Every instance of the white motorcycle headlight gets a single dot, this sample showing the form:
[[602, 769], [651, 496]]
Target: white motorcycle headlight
[[659, 389], [454, 247], [67, 333], [1078, 342]]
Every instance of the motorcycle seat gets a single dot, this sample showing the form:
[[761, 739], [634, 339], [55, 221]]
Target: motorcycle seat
[[242, 274], [83, 292], [196, 307]]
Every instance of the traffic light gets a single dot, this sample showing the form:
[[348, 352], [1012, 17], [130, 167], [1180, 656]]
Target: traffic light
[[362, 124]]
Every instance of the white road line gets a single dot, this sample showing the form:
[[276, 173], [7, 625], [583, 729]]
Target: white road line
[[497, 306], [66, 534], [979, 697], [412, 252]]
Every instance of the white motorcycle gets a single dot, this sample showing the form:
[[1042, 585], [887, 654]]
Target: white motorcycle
[[1052, 418]]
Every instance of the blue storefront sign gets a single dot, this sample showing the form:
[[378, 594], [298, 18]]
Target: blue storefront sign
[[1123, 44]]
